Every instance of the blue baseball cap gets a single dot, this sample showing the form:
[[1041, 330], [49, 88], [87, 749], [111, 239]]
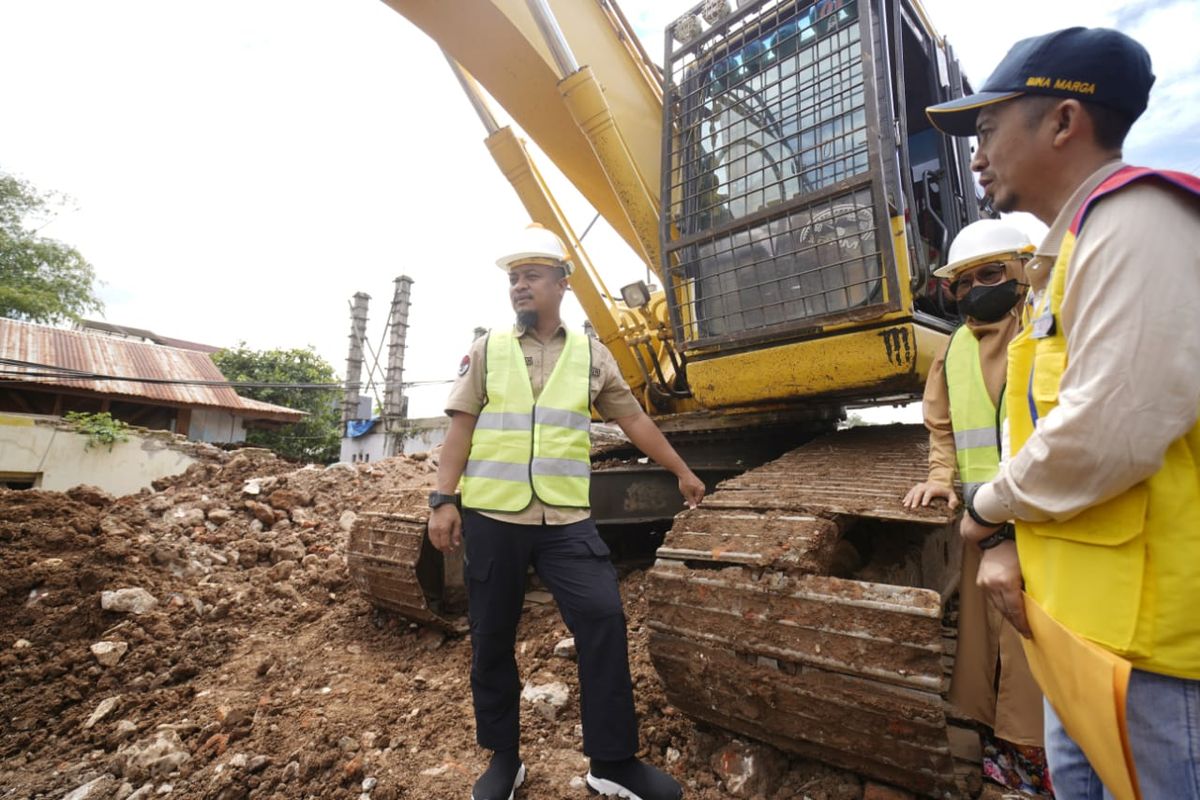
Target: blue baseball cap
[[1095, 65]]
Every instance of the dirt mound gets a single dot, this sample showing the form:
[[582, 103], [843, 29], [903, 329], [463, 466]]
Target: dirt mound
[[203, 641]]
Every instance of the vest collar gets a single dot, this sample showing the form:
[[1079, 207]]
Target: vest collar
[[520, 330]]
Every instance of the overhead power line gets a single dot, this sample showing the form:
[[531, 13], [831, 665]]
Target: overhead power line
[[30, 369]]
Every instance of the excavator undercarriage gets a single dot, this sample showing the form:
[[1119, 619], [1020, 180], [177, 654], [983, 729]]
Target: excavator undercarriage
[[802, 605]]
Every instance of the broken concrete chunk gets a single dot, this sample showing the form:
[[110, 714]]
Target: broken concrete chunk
[[106, 707], [109, 653], [127, 601], [186, 517], [157, 757], [546, 698], [99, 787], [565, 648]]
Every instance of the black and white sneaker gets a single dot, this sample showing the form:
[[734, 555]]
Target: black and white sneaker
[[633, 780], [502, 778]]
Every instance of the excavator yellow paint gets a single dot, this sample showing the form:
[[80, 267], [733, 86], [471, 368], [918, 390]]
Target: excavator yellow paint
[[586, 102], [499, 43], [884, 358]]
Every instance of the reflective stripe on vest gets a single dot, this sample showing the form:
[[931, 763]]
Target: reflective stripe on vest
[[521, 448], [972, 412], [1110, 573]]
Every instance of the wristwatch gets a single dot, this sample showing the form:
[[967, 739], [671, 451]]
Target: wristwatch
[[440, 499], [1004, 534]]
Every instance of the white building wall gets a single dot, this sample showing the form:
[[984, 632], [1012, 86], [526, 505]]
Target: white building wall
[[57, 459], [216, 425], [372, 447], [418, 436]]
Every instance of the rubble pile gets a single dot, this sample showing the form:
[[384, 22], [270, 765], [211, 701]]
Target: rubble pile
[[203, 640]]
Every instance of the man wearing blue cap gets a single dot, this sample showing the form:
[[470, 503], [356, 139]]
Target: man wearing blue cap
[[1103, 391]]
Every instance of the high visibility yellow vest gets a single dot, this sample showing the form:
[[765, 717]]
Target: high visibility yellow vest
[[1124, 573], [521, 448], [973, 415]]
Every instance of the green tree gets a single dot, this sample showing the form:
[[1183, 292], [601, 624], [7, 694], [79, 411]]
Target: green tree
[[316, 438], [41, 280]]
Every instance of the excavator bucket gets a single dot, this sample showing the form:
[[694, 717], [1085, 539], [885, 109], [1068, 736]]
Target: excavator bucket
[[392, 562]]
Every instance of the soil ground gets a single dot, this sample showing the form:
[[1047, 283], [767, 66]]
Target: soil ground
[[260, 672]]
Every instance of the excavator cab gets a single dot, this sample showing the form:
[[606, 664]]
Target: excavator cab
[[805, 195]]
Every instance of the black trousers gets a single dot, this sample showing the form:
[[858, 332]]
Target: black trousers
[[573, 563]]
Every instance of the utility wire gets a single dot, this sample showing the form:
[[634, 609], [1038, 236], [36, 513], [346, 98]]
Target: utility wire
[[29, 369]]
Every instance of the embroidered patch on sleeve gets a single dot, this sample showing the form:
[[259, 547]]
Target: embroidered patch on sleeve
[[464, 366]]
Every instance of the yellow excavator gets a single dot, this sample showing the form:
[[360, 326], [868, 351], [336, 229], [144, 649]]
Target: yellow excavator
[[778, 176]]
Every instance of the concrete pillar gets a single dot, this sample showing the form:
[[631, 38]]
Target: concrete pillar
[[354, 361], [393, 397]]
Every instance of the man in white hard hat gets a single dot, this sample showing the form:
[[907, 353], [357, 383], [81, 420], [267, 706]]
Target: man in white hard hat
[[519, 443], [963, 412]]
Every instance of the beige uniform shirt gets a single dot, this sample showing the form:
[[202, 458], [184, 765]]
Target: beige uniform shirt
[[610, 396], [1131, 313]]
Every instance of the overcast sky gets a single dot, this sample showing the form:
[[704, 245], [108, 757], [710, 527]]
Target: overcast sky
[[240, 168]]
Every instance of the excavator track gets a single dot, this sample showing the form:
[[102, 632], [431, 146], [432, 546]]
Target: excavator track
[[392, 562], [802, 605]]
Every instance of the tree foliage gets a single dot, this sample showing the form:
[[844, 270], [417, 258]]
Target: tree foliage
[[317, 438], [41, 280]]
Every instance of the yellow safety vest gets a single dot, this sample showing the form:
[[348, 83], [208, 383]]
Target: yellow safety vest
[[1124, 573], [973, 415], [521, 448]]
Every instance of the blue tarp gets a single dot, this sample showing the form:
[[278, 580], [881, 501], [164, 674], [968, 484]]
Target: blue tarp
[[360, 427]]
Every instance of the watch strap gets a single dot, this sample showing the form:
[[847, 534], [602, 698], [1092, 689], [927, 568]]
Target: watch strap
[[1005, 534]]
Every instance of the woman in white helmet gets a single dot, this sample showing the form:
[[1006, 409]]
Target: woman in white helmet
[[963, 410]]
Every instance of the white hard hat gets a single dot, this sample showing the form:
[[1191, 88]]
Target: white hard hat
[[983, 241], [536, 245]]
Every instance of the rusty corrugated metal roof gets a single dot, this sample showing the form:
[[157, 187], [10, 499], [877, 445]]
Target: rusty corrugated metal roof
[[108, 355]]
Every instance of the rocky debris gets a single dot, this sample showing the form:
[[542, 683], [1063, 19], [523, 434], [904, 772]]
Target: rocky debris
[[121, 732], [258, 672], [186, 517], [565, 648], [546, 698], [108, 654], [128, 601], [90, 495], [106, 707], [95, 788], [156, 757]]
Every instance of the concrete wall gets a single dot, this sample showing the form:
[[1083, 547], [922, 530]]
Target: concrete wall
[[57, 458], [422, 435], [418, 436], [215, 425], [372, 447]]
